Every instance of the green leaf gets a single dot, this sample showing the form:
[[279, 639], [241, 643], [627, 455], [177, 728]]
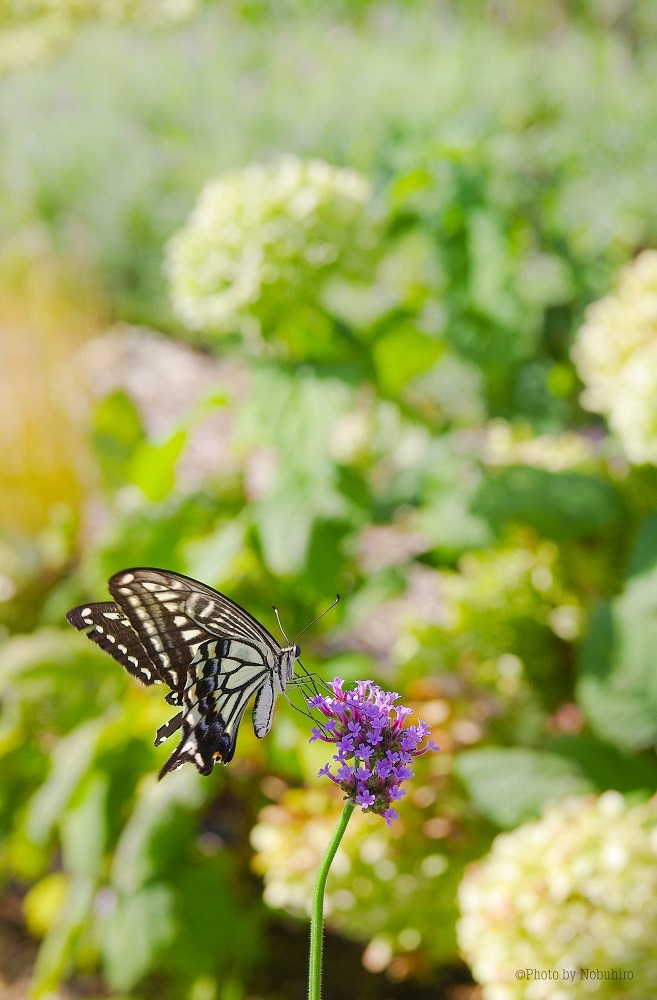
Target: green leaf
[[153, 467], [159, 824], [71, 760], [58, 948], [403, 354], [285, 517], [617, 686], [561, 505], [450, 527], [511, 785], [208, 905], [490, 267], [210, 558], [605, 765], [297, 416], [137, 933], [642, 570], [117, 433], [84, 828], [325, 554]]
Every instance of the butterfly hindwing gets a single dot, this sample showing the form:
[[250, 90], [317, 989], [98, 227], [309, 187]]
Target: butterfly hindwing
[[110, 629], [223, 676]]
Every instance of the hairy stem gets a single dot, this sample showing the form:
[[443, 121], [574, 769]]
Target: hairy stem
[[317, 914]]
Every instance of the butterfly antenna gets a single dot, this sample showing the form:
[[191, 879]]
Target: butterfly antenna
[[278, 619], [337, 598]]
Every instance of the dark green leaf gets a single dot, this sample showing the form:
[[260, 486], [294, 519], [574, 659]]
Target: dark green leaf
[[561, 505]]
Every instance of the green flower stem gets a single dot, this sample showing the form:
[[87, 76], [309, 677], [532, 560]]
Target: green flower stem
[[317, 915]]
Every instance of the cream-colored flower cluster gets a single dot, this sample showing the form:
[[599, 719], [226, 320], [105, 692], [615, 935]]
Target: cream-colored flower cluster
[[264, 239], [506, 444], [616, 356], [33, 30], [574, 894]]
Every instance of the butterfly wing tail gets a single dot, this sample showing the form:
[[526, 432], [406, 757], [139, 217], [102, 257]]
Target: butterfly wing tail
[[203, 754], [181, 755]]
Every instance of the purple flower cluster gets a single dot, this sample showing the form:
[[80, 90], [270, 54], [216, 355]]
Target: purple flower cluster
[[373, 748]]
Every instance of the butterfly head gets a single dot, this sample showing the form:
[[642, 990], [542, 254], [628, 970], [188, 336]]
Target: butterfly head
[[296, 651]]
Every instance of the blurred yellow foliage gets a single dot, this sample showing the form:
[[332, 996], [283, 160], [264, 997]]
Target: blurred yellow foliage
[[46, 314]]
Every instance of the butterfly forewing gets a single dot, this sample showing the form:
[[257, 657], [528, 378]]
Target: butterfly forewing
[[110, 629], [212, 653], [174, 614]]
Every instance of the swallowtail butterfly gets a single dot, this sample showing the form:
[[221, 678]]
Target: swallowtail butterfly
[[165, 628]]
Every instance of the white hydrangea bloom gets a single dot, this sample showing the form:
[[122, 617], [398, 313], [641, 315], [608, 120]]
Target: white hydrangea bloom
[[265, 238], [32, 31], [575, 892], [616, 356]]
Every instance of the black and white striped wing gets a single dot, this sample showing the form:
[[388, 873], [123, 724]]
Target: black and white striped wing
[[223, 676], [109, 628], [214, 655], [173, 615]]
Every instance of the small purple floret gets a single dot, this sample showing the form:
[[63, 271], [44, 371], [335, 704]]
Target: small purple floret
[[373, 748]]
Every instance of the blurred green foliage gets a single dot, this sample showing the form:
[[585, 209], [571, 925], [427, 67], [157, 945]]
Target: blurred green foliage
[[407, 433]]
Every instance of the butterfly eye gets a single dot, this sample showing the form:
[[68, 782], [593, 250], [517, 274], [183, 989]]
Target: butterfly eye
[[296, 652]]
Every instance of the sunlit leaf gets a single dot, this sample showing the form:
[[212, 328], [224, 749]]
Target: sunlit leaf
[[160, 821], [57, 953], [71, 759], [117, 433], [403, 354], [153, 466], [83, 828], [511, 785], [136, 934]]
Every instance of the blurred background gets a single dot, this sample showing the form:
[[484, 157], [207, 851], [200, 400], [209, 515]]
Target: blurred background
[[298, 298]]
